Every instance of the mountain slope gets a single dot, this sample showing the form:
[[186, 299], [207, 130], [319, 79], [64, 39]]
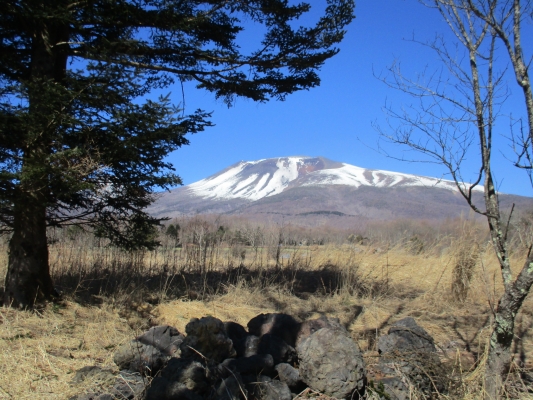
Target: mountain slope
[[311, 189], [253, 180]]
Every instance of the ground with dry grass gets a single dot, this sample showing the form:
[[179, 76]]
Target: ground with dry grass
[[110, 296]]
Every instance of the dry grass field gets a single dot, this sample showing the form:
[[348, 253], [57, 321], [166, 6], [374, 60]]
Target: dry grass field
[[109, 296]]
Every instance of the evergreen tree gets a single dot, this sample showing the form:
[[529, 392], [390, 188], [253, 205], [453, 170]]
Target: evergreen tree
[[78, 142], [173, 231]]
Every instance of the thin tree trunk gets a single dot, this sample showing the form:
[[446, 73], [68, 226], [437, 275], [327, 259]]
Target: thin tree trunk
[[501, 340]]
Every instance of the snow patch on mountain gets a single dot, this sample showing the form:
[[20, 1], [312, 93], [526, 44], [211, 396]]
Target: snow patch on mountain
[[355, 176], [236, 183]]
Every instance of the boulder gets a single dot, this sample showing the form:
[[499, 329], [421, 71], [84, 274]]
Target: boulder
[[98, 375], [138, 357], [307, 328], [180, 379], [246, 346], [163, 389], [264, 388], [93, 396], [290, 376], [331, 363], [165, 338], [259, 364], [391, 388], [276, 346], [128, 386], [406, 336], [235, 331], [231, 388], [281, 325], [409, 361], [207, 339]]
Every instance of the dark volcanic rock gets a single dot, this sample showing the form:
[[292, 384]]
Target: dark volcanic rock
[[128, 386], [165, 338], [291, 376], [259, 364], [180, 379], [409, 357], [138, 357], [94, 373], [275, 346], [406, 336], [281, 325], [231, 388], [93, 396], [235, 331], [163, 389], [208, 337], [390, 387], [307, 328], [331, 363], [265, 388], [247, 346]]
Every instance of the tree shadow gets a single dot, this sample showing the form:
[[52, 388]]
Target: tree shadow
[[522, 331], [459, 327], [372, 335], [129, 281]]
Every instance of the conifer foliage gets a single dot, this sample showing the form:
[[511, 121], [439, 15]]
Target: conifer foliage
[[79, 141]]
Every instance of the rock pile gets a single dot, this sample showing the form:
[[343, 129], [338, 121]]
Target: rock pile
[[276, 357]]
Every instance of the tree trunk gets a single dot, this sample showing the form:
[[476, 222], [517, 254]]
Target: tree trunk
[[28, 277], [501, 341], [28, 274], [499, 358]]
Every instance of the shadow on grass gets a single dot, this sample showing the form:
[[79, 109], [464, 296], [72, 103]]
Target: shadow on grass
[[123, 282]]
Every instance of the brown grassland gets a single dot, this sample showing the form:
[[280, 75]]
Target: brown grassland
[[447, 281]]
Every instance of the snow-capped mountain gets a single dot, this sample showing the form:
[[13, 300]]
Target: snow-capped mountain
[[306, 186], [253, 180]]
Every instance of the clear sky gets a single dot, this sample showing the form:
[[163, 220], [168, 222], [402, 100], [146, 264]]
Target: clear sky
[[335, 120]]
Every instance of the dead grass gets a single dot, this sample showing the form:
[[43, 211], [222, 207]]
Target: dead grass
[[40, 351], [112, 296]]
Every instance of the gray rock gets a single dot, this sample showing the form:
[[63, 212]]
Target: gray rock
[[138, 357], [128, 386], [97, 374], [165, 338], [125, 386], [207, 338], [331, 363], [392, 388], [93, 396], [406, 336], [265, 388], [307, 328], [291, 376], [275, 346], [409, 358], [281, 325]]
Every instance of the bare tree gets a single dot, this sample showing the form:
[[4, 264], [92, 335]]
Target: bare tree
[[455, 113]]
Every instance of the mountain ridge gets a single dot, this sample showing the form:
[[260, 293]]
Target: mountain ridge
[[312, 190]]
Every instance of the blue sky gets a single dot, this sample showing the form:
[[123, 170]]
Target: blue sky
[[335, 120]]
